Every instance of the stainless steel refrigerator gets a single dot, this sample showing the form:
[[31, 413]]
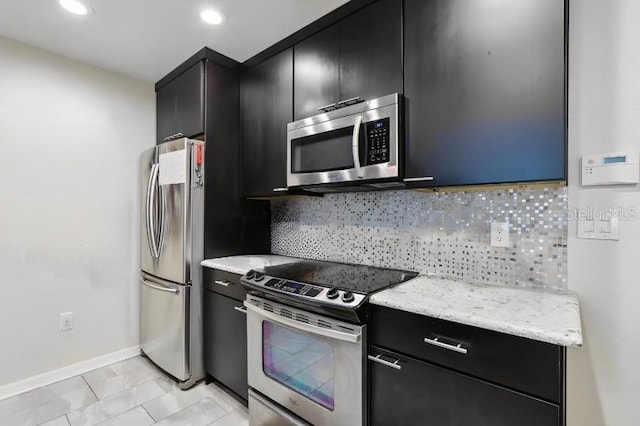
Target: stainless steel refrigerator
[[171, 241]]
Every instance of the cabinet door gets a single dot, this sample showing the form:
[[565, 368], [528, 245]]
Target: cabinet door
[[225, 342], [485, 90], [190, 101], [317, 72], [371, 51], [266, 105], [420, 393], [165, 112]]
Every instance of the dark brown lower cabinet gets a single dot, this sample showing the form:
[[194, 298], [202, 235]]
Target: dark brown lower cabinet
[[225, 342], [420, 393]]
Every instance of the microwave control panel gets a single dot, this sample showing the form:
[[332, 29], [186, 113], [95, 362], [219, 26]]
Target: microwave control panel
[[377, 141]]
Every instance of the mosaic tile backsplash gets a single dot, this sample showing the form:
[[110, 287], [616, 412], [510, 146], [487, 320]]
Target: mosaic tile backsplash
[[445, 234]]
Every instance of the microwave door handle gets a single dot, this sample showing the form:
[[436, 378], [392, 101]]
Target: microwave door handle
[[355, 147]]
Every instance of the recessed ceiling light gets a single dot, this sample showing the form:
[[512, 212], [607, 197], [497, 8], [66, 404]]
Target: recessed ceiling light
[[75, 7], [212, 17]]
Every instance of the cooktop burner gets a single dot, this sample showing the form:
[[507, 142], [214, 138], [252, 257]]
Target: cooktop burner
[[355, 278], [337, 289]]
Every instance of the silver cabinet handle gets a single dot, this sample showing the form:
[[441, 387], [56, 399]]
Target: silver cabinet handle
[[349, 101], [418, 179], [280, 189], [329, 107], [240, 309], [383, 362], [224, 283], [456, 348], [172, 137], [355, 146], [161, 288]]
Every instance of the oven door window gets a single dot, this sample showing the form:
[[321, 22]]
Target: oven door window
[[300, 362]]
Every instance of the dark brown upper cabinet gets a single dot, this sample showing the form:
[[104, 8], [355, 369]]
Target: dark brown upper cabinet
[[266, 106], [359, 56], [485, 85], [180, 105]]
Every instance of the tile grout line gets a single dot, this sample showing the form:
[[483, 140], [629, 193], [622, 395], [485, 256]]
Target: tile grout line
[[189, 406], [148, 413], [90, 388]]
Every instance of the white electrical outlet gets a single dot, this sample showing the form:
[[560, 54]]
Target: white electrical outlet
[[500, 234], [65, 322]]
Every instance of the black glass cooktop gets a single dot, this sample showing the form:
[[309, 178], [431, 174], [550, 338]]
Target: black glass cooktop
[[356, 278]]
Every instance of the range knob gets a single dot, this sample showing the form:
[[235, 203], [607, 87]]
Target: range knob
[[333, 293], [259, 277], [251, 275], [347, 297]]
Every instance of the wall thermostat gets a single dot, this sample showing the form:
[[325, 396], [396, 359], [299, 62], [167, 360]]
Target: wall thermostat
[[617, 168]]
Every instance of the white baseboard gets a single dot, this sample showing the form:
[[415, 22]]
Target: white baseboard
[[67, 372]]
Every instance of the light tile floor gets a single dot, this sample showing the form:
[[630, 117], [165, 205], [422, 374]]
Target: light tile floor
[[128, 393]]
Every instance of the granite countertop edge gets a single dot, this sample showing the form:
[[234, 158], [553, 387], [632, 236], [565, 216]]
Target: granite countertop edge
[[546, 316], [241, 264]]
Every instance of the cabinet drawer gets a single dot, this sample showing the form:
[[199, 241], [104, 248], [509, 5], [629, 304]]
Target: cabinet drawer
[[523, 364], [419, 393], [224, 283], [225, 342]]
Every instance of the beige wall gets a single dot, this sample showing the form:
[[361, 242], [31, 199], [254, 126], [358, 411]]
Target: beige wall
[[70, 138], [604, 116]]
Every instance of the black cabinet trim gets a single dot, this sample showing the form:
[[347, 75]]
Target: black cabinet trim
[[318, 25], [201, 55]]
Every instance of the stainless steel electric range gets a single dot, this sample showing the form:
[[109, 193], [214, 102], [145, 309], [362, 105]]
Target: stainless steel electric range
[[307, 335]]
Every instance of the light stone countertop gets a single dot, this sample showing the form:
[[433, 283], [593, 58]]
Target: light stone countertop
[[546, 316], [243, 264]]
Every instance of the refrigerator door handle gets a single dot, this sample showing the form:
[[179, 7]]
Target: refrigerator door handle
[[152, 213], [161, 221], [148, 212], [159, 287]]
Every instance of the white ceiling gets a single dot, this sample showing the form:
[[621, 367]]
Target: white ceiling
[[146, 39]]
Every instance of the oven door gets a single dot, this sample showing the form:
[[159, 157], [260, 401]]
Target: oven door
[[311, 365], [356, 143]]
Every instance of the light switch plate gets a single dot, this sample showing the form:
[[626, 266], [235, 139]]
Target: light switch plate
[[599, 229]]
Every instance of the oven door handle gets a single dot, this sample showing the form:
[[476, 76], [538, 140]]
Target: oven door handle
[[319, 331]]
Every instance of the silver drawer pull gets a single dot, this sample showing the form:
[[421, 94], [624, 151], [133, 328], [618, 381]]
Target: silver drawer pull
[[224, 283], [329, 107], [240, 309], [383, 362], [174, 136], [435, 342], [418, 179], [160, 287], [350, 101], [280, 189]]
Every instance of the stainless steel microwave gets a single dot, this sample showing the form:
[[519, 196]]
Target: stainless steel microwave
[[355, 144]]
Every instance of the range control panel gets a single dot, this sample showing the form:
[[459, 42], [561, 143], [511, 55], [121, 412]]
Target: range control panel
[[319, 294], [293, 287], [377, 141]]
